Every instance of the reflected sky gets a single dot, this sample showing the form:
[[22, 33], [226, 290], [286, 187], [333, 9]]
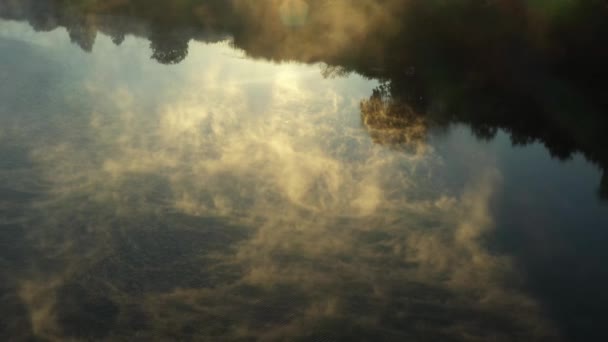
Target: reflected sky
[[229, 198]]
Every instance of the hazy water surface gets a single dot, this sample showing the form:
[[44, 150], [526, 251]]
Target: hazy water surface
[[254, 177]]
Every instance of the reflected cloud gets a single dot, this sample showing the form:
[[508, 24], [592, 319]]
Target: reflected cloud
[[200, 212]]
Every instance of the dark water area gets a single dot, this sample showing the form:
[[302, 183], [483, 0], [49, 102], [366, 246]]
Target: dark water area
[[303, 170]]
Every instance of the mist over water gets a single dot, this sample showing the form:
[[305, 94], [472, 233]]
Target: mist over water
[[298, 170]]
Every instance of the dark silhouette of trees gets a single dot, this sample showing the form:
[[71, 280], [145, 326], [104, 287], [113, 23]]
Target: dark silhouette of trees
[[169, 48]]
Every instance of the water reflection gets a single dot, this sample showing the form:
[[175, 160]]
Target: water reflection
[[526, 67], [231, 199]]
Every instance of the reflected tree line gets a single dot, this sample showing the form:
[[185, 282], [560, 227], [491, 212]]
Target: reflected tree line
[[531, 68]]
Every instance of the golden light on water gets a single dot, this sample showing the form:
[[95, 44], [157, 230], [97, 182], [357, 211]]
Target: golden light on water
[[257, 170]]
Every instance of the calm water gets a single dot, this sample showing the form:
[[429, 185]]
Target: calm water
[[291, 170]]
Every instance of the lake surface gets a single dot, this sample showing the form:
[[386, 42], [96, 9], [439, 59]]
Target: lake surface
[[291, 170]]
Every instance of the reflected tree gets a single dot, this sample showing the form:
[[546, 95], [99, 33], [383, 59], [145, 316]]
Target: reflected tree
[[83, 35], [169, 47], [43, 16], [393, 123]]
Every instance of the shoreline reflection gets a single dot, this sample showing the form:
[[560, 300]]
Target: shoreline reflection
[[269, 179]]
